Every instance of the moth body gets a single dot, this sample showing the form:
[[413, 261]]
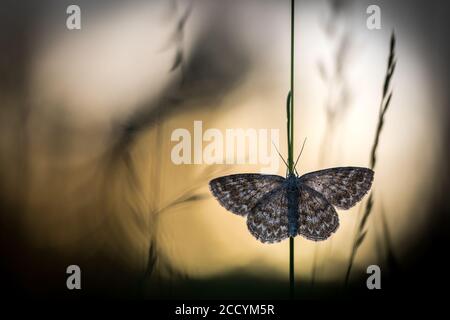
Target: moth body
[[293, 198]]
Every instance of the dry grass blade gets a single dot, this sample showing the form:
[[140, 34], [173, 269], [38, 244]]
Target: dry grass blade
[[339, 94], [189, 196], [390, 257], [384, 106], [365, 217], [360, 238], [152, 259]]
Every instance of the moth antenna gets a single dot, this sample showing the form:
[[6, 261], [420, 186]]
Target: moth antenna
[[280, 155], [298, 158]]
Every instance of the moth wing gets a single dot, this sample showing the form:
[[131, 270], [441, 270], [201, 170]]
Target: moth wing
[[268, 220], [343, 187], [317, 218], [239, 193]]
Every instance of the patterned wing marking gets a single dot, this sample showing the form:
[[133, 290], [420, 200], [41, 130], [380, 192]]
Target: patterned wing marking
[[268, 220], [317, 218], [343, 187], [239, 193]]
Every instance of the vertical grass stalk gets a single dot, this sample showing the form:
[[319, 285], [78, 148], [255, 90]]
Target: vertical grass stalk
[[290, 136]]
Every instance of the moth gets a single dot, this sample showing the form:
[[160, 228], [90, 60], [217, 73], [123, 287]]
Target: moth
[[277, 208]]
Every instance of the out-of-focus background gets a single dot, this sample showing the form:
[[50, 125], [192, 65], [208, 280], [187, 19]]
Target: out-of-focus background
[[86, 118]]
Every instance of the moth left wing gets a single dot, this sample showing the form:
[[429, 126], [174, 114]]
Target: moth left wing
[[268, 220], [343, 187], [239, 193]]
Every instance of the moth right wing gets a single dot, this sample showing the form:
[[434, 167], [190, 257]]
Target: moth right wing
[[317, 217], [343, 187], [239, 193]]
